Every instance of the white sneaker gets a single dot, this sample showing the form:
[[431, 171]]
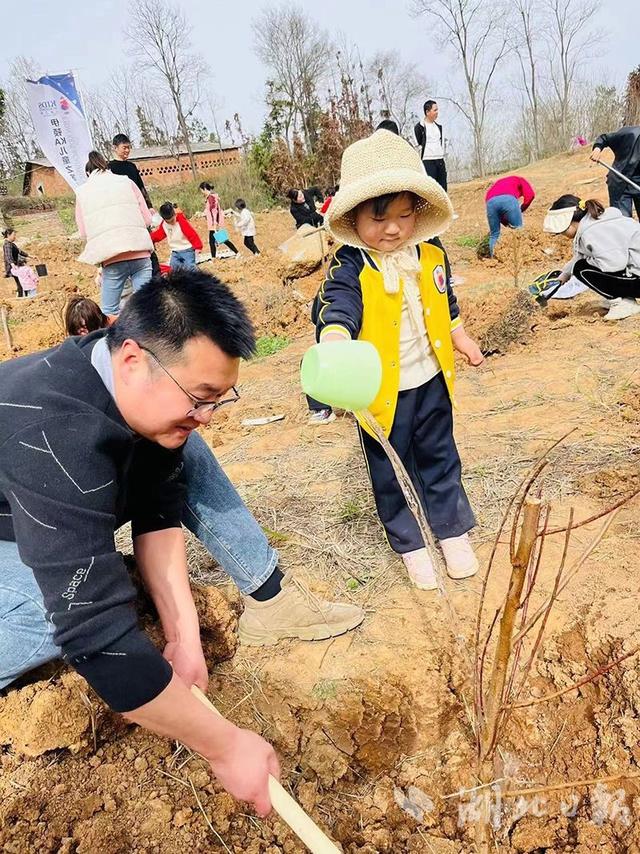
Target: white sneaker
[[323, 416], [421, 570], [459, 556], [621, 308]]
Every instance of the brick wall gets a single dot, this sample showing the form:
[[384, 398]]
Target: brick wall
[[156, 171]]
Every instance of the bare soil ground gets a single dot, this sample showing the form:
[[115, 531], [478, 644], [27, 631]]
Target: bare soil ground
[[372, 727]]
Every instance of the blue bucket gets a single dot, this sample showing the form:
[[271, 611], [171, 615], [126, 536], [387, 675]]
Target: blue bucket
[[221, 236]]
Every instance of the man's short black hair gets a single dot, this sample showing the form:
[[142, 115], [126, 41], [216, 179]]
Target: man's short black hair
[[428, 105], [167, 312], [167, 210], [120, 139]]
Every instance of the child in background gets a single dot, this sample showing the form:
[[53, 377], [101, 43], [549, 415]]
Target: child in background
[[13, 258], [182, 237], [82, 315], [246, 225], [387, 285], [214, 216]]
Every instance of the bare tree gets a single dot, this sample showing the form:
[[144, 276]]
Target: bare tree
[[469, 28], [159, 34], [400, 87], [570, 43], [18, 141], [526, 35], [295, 49]]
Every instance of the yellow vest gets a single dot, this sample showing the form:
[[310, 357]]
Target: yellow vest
[[381, 318]]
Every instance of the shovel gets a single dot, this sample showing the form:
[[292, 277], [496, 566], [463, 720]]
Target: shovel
[[620, 175], [287, 808]]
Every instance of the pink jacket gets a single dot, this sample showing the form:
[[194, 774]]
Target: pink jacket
[[213, 212]]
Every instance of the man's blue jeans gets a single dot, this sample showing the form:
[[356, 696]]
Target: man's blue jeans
[[114, 278], [213, 511], [182, 259], [502, 209]]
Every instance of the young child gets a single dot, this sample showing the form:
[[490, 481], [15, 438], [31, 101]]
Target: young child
[[387, 285], [215, 217], [606, 251], [246, 225], [14, 258], [182, 236]]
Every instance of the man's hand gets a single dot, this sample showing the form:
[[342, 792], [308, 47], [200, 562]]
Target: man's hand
[[464, 344], [188, 662], [244, 766], [596, 154]]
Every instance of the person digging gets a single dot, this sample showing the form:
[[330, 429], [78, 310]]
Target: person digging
[[91, 436]]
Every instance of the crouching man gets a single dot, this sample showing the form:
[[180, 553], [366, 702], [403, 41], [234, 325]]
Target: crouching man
[[91, 436]]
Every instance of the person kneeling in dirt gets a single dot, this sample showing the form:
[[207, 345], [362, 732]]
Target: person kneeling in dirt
[[606, 251], [216, 514], [92, 435], [388, 285]]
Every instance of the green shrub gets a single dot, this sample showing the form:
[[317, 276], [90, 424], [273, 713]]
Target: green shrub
[[267, 345], [234, 182], [468, 241]]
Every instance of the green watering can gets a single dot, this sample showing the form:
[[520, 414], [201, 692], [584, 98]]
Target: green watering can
[[343, 374]]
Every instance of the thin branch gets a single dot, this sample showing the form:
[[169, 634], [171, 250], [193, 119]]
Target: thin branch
[[597, 516]]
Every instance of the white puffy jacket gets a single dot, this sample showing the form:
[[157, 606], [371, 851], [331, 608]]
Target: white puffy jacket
[[611, 243], [112, 218]]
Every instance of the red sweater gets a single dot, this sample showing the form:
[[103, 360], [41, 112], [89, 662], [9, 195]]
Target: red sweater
[[185, 226], [512, 185]]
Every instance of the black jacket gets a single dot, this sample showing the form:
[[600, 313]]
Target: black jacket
[[625, 144], [421, 135], [71, 472], [305, 213]]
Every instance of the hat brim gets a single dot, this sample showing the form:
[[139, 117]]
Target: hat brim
[[555, 222], [434, 213]]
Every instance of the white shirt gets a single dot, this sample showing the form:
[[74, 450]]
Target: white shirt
[[418, 363], [433, 149], [176, 239], [245, 223]]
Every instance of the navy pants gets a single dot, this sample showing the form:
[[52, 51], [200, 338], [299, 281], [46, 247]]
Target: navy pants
[[422, 436]]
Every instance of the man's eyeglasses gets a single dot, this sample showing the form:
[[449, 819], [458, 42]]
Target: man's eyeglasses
[[202, 409]]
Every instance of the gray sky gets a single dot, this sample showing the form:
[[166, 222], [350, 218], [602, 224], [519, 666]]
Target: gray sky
[[75, 34]]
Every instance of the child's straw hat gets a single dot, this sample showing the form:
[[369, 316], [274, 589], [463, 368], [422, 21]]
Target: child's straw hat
[[385, 163]]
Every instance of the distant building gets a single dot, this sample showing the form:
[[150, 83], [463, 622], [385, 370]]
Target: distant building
[[158, 166]]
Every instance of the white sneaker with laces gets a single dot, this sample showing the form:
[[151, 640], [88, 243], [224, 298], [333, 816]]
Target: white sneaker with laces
[[323, 416], [459, 557], [621, 308], [421, 570]]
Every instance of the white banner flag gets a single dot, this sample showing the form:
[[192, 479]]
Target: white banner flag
[[61, 125]]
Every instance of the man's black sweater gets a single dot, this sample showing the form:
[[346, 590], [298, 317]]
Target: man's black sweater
[[72, 472], [126, 167]]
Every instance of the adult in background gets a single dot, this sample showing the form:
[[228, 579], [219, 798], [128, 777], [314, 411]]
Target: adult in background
[[121, 165], [113, 217], [429, 137], [606, 251], [625, 144], [303, 207], [506, 200]]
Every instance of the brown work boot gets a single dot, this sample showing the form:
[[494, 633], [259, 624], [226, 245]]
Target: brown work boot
[[295, 613]]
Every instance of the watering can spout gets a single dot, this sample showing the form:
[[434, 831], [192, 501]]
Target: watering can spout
[[342, 374]]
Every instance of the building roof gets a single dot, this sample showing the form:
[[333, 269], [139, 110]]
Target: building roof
[[157, 151]]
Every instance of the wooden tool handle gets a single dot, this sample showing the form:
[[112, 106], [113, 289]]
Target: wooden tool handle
[[287, 808]]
